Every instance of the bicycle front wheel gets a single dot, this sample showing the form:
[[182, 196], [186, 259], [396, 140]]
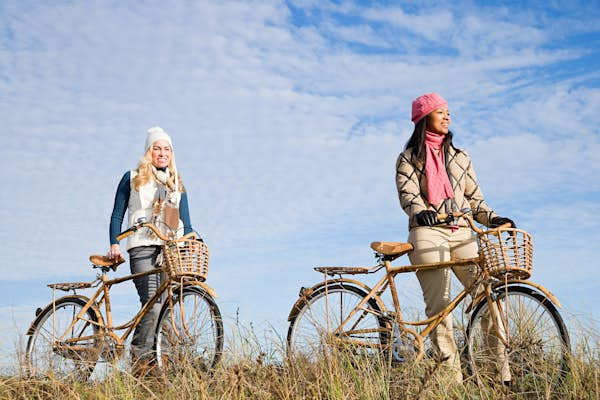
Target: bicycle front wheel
[[189, 332], [316, 328], [534, 357], [60, 347]]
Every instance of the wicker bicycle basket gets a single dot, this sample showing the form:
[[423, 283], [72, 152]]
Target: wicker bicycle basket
[[507, 253], [186, 257]]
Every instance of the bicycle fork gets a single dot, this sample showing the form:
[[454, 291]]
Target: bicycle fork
[[498, 316]]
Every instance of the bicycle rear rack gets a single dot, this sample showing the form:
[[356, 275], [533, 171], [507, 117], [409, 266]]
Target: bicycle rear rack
[[70, 285]]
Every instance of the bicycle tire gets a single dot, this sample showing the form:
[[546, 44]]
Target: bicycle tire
[[537, 356], [190, 334], [45, 360], [311, 328]]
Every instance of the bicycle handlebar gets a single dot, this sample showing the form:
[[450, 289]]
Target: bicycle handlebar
[[154, 229], [138, 226], [443, 217]]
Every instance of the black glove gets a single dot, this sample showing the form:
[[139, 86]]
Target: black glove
[[426, 218], [497, 221]]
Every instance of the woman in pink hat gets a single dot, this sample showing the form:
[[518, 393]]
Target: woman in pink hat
[[433, 176], [154, 191]]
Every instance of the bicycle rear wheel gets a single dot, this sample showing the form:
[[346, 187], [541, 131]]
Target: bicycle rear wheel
[[189, 332], [538, 343], [312, 335], [73, 358]]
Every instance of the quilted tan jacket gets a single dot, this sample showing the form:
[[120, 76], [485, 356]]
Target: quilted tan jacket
[[412, 187]]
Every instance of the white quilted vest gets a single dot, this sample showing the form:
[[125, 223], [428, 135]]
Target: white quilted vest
[[140, 205]]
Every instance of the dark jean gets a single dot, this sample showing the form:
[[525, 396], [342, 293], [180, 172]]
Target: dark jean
[[142, 259]]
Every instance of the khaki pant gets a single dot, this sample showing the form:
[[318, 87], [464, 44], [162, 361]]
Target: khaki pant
[[435, 244]]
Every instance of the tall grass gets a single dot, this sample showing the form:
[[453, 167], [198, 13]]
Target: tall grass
[[252, 370]]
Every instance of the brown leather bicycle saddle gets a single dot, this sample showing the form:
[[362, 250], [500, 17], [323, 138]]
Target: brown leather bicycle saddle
[[104, 261], [391, 248]]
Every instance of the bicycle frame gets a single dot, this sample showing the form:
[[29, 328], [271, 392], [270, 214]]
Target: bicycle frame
[[102, 296], [388, 281]]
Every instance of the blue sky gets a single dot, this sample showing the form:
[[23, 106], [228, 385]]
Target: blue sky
[[287, 118]]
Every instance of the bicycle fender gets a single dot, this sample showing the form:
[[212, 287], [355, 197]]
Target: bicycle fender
[[94, 309], [515, 282], [203, 285], [539, 287], [306, 292]]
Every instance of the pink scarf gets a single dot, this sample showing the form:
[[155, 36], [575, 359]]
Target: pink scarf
[[438, 184]]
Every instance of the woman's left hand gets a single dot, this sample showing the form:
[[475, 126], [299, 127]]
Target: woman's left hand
[[114, 253], [497, 221]]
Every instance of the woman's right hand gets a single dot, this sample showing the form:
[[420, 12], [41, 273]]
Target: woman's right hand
[[426, 218], [114, 253]]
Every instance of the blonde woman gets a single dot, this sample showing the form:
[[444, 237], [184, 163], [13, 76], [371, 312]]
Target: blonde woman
[[155, 191]]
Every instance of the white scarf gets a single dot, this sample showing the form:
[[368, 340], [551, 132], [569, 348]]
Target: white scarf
[[168, 197], [167, 190]]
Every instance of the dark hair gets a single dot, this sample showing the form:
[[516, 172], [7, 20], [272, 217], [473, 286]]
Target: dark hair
[[417, 140]]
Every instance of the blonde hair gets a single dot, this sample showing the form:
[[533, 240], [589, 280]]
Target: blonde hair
[[144, 172]]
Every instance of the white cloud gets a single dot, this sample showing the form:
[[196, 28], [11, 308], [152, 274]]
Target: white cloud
[[432, 24], [528, 166], [361, 34]]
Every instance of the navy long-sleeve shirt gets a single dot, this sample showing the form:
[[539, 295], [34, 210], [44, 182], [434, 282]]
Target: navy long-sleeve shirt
[[122, 200]]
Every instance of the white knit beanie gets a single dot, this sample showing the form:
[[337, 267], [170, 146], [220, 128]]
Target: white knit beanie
[[157, 133]]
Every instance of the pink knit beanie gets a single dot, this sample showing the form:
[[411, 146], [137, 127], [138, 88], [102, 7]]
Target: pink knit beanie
[[425, 104]]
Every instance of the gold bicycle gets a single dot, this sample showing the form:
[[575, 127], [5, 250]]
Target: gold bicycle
[[506, 308], [71, 334]]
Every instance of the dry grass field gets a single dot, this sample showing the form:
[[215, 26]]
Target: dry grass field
[[249, 372]]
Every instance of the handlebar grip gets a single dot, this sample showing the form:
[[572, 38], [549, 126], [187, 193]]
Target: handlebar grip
[[191, 235], [125, 234]]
